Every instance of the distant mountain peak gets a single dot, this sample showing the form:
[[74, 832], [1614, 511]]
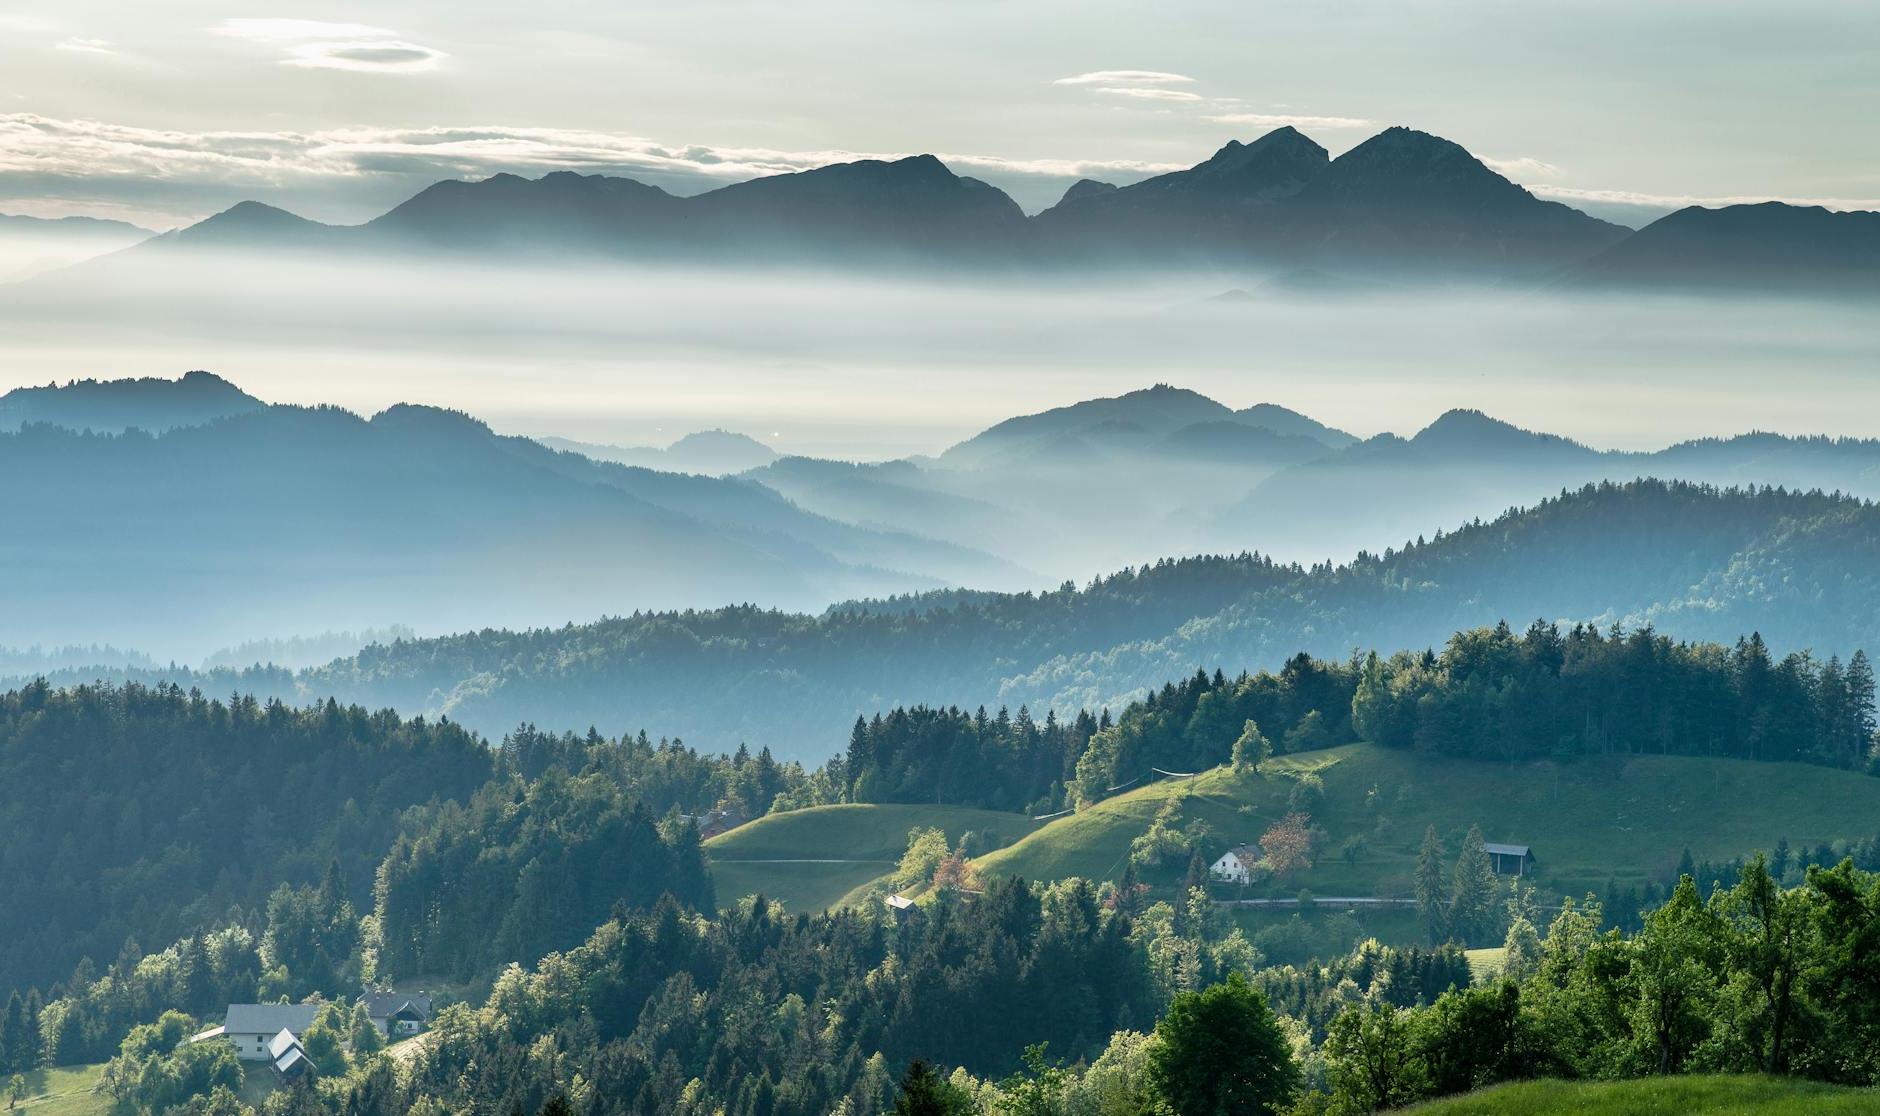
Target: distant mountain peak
[[1087, 188], [1467, 429], [152, 403]]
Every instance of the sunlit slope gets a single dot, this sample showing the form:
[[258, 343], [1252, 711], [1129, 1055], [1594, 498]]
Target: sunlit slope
[[1624, 817], [809, 859], [1660, 1096]]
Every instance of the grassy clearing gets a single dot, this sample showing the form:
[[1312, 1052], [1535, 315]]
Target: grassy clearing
[[1623, 817], [1485, 964], [1662, 1096], [810, 860], [64, 1091]]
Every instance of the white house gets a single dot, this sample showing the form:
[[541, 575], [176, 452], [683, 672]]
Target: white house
[[1236, 865], [251, 1028], [398, 1014]]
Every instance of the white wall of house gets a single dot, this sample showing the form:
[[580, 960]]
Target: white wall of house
[[250, 1047], [1230, 868]]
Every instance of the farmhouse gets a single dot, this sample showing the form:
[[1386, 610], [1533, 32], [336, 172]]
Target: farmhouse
[[1509, 860], [398, 1014], [251, 1028], [713, 822], [1236, 865]]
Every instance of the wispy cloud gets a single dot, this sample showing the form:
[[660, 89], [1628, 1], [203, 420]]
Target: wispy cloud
[[1680, 201], [1524, 168], [86, 46], [383, 56], [295, 30], [54, 158], [319, 45], [1148, 93], [1284, 120], [1124, 77]]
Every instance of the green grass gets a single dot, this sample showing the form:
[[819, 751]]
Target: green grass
[[1623, 817], [1660, 1096], [63, 1091], [1485, 964], [866, 841]]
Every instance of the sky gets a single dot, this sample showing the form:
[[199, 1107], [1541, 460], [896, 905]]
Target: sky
[[164, 113]]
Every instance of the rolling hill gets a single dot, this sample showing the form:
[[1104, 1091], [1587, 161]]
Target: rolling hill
[[810, 859], [1627, 818]]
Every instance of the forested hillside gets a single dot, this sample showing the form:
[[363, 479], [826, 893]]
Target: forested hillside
[[1689, 561], [145, 814]]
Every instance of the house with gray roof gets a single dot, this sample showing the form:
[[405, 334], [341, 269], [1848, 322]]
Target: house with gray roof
[[251, 1028], [290, 1060], [397, 1014]]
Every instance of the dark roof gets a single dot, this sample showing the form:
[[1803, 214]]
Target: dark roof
[[268, 1019], [384, 1005], [1505, 850]]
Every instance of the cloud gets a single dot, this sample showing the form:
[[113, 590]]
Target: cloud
[[1681, 201], [86, 46], [1523, 168], [1266, 120], [1149, 93], [1124, 77], [181, 176], [319, 45], [294, 30], [387, 56]]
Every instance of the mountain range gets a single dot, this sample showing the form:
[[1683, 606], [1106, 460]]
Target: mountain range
[[280, 520], [1401, 206], [1692, 561], [1192, 475], [32, 245]]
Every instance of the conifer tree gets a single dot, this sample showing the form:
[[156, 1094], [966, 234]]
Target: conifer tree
[[1432, 886]]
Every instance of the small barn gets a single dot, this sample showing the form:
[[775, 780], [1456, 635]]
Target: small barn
[[290, 1061], [1509, 860], [1236, 865], [902, 908]]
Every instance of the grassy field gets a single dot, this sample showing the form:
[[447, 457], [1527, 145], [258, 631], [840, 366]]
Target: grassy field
[[810, 859], [64, 1091], [1623, 817], [1663, 1096]]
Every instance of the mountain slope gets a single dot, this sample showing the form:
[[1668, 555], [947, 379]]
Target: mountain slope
[[712, 452], [1695, 562], [284, 520], [1648, 810], [1404, 198], [1771, 247], [110, 406], [1219, 207], [559, 212], [32, 245]]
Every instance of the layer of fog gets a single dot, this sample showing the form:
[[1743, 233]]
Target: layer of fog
[[864, 367]]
